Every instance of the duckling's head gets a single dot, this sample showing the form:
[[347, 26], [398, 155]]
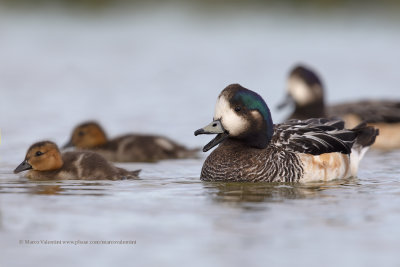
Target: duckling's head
[[240, 114], [303, 88], [41, 156], [87, 135]]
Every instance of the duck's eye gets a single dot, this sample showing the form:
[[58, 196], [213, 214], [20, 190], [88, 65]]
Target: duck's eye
[[38, 153], [81, 133], [237, 108]]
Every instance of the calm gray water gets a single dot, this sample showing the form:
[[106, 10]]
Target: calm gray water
[[160, 71]]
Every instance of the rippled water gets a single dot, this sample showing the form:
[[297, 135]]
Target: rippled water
[[160, 71], [176, 219]]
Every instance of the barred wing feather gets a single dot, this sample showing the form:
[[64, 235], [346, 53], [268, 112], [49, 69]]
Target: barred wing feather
[[314, 136]]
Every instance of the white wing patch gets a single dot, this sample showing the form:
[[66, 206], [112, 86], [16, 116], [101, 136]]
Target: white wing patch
[[164, 143]]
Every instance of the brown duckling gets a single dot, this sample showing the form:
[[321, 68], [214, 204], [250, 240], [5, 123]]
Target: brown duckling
[[45, 162], [127, 148]]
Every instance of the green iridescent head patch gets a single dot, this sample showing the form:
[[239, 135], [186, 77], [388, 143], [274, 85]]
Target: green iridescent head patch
[[253, 101]]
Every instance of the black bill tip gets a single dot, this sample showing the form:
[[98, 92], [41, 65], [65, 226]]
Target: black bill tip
[[286, 102], [199, 131], [217, 140], [23, 167], [67, 145]]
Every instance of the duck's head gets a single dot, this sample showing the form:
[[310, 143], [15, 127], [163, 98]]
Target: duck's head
[[303, 88], [41, 156], [240, 114], [87, 135]]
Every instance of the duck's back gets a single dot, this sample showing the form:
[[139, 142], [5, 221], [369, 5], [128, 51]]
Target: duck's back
[[384, 115], [143, 148], [368, 111]]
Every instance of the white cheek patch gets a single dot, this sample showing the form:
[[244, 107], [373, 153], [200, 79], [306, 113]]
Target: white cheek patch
[[231, 122], [300, 91]]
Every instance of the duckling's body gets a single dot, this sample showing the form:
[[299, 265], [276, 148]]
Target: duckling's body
[[142, 148], [306, 91], [295, 151], [45, 162], [127, 148]]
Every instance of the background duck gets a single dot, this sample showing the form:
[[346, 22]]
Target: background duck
[[305, 91], [45, 162], [127, 148], [251, 148]]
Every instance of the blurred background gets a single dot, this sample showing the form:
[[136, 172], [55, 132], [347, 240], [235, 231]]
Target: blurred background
[[158, 67]]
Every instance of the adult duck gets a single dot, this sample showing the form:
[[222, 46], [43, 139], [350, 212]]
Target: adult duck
[[305, 92], [252, 149]]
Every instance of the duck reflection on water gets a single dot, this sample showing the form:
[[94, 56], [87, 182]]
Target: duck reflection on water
[[270, 192]]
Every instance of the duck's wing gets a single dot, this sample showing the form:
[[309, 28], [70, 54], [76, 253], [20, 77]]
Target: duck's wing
[[369, 111], [314, 136]]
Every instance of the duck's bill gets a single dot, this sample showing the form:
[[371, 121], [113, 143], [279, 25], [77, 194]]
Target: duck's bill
[[67, 145], [286, 102], [214, 127], [217, 140], [23, 167]]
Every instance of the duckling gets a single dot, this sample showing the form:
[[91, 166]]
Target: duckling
[[43, 161], [252, 149], [305, 90], [128, 148]]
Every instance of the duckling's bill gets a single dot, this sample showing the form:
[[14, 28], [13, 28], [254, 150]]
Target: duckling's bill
[[215, 127], [23, 167], [68, 145]]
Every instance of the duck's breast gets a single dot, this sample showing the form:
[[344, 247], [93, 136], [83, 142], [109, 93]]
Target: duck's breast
[[234, 162]]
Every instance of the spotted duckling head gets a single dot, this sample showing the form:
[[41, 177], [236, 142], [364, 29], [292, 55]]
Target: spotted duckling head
[[304, 88], [41, 156], [240, 114], [87, 135]]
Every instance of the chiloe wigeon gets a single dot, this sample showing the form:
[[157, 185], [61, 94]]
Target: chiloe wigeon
[[252, 149]]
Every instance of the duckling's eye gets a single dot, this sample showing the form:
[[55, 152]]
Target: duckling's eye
[[38, 153], [237, 108], [81, 133]]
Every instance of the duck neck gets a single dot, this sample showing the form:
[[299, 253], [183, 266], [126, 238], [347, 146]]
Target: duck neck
[[259, 134], [314, 109]]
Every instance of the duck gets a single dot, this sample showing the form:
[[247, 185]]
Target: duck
[[306, 92], [44, 161], [250, 148], [127, 148]]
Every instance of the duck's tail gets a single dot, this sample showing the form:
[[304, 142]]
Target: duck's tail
[[191, 153], [366, 136], [134, 174], [172, 149]]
